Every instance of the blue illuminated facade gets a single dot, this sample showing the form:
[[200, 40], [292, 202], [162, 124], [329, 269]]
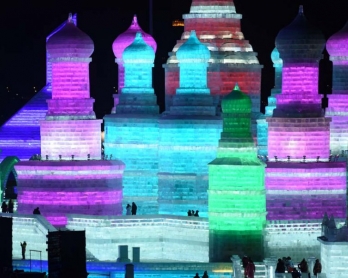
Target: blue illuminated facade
[[189, 134], [131, 134]]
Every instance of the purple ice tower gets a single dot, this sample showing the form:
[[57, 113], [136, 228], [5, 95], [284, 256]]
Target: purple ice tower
[[70, 177], [301, 182], [337, 46]]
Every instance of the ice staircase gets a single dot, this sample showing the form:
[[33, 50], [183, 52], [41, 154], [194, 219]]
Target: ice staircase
[[20, 135]]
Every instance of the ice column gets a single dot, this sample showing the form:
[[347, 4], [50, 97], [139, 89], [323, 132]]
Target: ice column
[[237, 199]]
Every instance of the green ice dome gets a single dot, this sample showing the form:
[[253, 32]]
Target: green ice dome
[[139, 51], [193, 51], [236, 102]]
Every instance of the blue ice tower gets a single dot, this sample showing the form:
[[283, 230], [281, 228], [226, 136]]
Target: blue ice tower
[[262, 125], [131, 133], [189, 135]]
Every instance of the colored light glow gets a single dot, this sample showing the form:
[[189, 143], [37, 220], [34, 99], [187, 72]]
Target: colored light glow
[[298, 137], [237, 202], [70, 79], [20, 135], [123, 41], [71, 137], [138, 60], [322, 187]]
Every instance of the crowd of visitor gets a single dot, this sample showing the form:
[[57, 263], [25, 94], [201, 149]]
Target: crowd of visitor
[[286, 265], [7, 208]]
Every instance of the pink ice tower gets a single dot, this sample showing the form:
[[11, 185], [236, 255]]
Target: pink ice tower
[[301, 183], [124, 40], [337, 46], [70, 128], [71, 177]]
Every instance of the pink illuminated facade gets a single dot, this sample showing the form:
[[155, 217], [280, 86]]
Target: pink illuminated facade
[[338, 100], [232, 61], [122, 42], [71, 177], [301, 182]]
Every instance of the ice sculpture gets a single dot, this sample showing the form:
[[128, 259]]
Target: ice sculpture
[[301, 184], [70, 177], [338, 100], [131, 134], [189, 133], [237, 200], [123, 41], [233, 60]]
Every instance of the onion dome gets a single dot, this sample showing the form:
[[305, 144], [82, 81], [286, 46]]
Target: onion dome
[[126, 38], [70, 42], [139, 51], [193, 51], [300, 41], [236, 102], [275, 56], [337, 44]]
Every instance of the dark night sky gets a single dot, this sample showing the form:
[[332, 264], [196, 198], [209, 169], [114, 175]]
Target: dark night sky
[[25, 24]]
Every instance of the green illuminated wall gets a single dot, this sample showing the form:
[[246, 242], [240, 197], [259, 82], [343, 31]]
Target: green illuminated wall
[[237, 200]]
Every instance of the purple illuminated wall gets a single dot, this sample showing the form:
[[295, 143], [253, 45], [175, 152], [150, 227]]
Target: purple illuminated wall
[[305, 190], [62, 187]]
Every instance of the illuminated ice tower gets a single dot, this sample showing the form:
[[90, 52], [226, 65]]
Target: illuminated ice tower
[[301, 183], [189, 134], [70, 178], [131, 134], [232, 59], [122, 42], [237, 198], [262, 125], [338, 100]]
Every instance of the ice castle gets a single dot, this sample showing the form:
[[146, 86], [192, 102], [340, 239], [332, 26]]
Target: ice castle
[[261, 183]]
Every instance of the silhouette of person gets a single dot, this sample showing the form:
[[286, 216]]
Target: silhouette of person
[[205, 275], [250, 269], [317, 267], [197, 213], [280, 266], [134, 209], [4, 207], [36, 211], [303, 266], [189, 213], [192, 212], [10, 206], [129, 209], [197, 276], [24, 246]]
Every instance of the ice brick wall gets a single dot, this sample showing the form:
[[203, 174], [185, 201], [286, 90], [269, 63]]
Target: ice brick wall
[[59, 187], [160, 237], [333, 257], [71, 137], [298, 191], [298, 137], [294, 238], [134, 140]]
